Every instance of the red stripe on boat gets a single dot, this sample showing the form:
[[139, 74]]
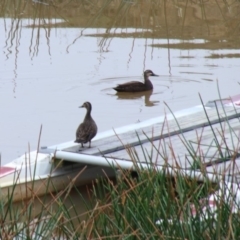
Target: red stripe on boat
[[5, 171]]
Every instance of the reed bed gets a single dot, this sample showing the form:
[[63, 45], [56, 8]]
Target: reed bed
[[144, 204]]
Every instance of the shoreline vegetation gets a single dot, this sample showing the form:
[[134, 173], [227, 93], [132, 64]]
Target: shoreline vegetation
[[157, 19], [215, 24], [145, 204]]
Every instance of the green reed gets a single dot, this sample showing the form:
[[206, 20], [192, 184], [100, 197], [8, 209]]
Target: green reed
[[132, 207]]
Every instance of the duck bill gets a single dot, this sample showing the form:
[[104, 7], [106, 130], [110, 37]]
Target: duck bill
[[155, 75]]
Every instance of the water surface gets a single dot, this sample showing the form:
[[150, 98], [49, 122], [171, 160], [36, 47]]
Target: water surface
[[48, 72]]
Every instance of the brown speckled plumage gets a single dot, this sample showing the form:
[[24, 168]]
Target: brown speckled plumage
[[136, 86], [87, 130]]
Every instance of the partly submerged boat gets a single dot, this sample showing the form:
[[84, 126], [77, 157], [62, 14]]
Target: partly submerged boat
[[64, 165]]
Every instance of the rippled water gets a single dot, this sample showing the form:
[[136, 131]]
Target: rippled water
[[47, 73]]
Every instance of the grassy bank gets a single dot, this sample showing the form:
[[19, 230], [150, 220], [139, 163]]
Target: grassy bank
[[148, 204]]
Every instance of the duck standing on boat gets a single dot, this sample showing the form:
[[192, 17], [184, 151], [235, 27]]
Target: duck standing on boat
[[135, 86], [87, 130]]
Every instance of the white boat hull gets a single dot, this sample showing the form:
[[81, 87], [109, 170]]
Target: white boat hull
[[36, 174]]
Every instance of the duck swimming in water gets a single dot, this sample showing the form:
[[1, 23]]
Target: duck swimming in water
[[136, 86], [87, 130]]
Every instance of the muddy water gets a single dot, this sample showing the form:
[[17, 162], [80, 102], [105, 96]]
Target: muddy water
[[48, 72], [77, 201]]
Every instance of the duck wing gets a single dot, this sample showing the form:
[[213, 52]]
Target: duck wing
[[133, 86], [85, 132]]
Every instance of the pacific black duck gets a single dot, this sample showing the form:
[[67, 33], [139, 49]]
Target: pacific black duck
[[135, 86], [87, 130]]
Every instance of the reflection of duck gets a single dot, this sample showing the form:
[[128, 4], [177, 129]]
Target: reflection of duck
[[87, 130], [146, 95], [136, 86]]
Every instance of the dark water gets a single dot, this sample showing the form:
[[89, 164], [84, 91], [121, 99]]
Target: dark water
[[53, 61]]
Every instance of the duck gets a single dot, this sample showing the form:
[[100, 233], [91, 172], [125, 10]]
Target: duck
[[87, 130], [135, 86]]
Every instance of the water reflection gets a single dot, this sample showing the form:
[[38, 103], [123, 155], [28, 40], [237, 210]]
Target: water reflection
[[146, 95], [154, 19]]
